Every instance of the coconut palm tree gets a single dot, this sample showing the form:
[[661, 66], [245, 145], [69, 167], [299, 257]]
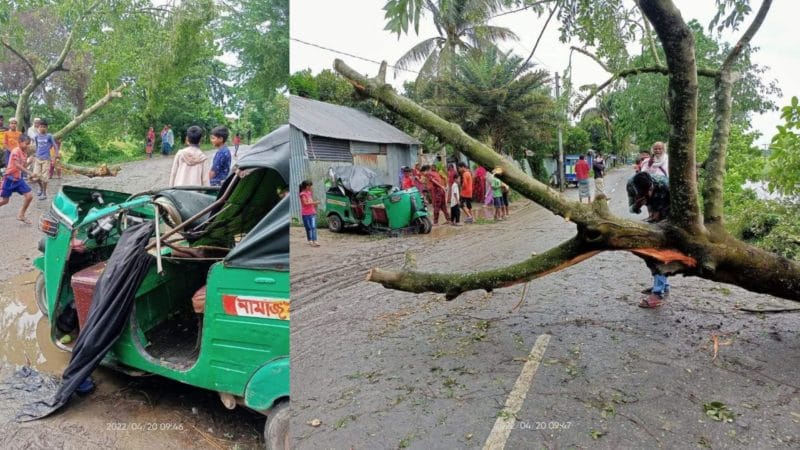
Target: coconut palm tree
[[461, 25]]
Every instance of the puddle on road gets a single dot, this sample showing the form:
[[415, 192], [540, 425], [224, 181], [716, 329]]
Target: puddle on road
[[24, 331]]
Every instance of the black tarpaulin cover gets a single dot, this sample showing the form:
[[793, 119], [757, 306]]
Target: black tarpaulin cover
[[111, 305], [267, 244]]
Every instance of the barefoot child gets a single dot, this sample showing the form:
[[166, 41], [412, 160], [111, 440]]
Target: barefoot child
[[13, 180], [308, 209]]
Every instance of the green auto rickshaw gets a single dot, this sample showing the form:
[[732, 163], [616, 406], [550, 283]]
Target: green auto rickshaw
[[356, 199], [213, 312]]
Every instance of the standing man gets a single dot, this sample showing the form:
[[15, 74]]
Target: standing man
[[599, 167], [222, 159], [13, 181], [582, 174], [653, 191], [43, 142], [466, 191], [34, 129]]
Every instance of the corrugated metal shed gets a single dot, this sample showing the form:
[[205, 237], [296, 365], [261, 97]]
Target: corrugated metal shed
[[298, 165], [340, 122]]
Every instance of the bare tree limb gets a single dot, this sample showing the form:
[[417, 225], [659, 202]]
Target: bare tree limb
[[19, 55], [649, 35], [744, 41], [593, 56], [77, 120], [631, 72], [723, 98], [100, 171], [536, 45]]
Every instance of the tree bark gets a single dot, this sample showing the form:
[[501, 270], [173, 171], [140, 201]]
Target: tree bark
[[669, 248], [723, 97], [100, 171], [678, 43]]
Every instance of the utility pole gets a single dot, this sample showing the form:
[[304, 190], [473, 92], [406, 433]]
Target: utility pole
[[560, 146]]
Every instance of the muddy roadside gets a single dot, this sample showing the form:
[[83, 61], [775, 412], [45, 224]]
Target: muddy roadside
[[374, 368], [123, 412]]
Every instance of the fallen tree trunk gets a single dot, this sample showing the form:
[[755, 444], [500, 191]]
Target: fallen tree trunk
[[684, 247], [100, 171]]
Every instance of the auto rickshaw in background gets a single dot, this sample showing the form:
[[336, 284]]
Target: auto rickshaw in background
[[214, 311], [354, 198]]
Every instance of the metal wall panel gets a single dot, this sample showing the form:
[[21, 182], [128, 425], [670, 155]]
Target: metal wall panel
[[327, 149]]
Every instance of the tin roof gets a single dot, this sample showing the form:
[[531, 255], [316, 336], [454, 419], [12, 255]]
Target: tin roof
[[341, 122]]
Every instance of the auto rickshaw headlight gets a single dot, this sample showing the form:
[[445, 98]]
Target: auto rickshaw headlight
[[48, 225]]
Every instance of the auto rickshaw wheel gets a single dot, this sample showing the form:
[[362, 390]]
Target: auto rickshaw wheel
[[276, 430], [335, 223], [39, 293], [423, 225]]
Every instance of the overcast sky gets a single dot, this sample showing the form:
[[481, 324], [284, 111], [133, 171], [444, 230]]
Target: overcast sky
[[356, 27]]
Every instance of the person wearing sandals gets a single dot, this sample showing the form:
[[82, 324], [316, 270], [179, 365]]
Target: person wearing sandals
[[308, 209], [13, 181], [652, 191]]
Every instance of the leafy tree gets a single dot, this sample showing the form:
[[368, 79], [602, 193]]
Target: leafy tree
[[259, 31], [784, 162], [576, 141]]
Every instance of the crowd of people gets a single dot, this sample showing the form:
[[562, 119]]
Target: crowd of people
[[34, 156], [30, 156], [471, 192]]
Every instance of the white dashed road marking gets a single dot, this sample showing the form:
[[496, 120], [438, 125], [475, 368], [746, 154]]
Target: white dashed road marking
[[503, 425]]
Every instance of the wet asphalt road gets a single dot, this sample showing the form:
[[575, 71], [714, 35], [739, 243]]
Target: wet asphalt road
[[383, 369]]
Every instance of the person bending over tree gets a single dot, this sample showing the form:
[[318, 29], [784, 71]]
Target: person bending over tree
[[652, 191]]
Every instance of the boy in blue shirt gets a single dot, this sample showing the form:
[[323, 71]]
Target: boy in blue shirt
[[222, 159], [42, 143]]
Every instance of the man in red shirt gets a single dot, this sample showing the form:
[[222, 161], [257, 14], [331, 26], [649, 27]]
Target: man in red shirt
[[13, 181], [582, 174], [466, 191]]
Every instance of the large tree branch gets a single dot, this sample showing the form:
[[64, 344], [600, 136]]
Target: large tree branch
[[678, 43], [453, 284], [77, 120], [477, 151], [744, 41], [668, 248], [627, 73], [723, 99]]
